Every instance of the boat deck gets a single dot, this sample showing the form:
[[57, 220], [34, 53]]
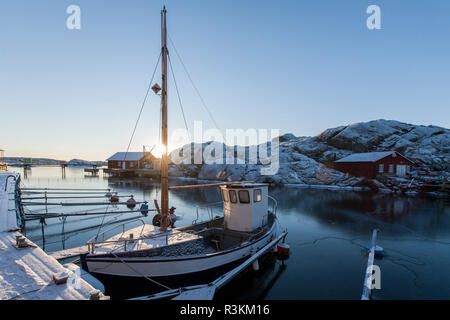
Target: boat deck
[[152, 238]]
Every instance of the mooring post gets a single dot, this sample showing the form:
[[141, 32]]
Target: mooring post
[[46, 199], [367, 288], [42, 221]]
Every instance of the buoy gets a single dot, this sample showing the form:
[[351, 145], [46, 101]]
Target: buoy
[[379, 251], [144, 208], [114, 198], [283, 249], [131, 203]]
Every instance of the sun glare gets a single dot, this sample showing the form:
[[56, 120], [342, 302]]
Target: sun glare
[[158, 150]]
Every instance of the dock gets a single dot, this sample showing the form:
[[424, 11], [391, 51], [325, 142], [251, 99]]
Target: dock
[[207, 291], [26, 271], [69, 253], [141, 173], [93, 171]]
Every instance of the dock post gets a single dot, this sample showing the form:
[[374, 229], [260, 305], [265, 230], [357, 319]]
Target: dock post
[[367, 288]]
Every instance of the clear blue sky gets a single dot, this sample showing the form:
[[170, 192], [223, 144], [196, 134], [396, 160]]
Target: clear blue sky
[[299, 66]]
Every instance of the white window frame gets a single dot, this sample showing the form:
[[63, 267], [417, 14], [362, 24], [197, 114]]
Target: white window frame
[[381, 168]]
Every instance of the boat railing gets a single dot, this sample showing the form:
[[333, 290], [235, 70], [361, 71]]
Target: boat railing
[[210, 207], [274, 204], [94, 240]]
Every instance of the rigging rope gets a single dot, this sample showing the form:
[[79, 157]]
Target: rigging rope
[[193, 84], [137, 272], [179, 98], [142, 107]]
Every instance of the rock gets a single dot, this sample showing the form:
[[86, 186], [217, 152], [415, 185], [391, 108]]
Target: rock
[[212, 172], [303, 160]]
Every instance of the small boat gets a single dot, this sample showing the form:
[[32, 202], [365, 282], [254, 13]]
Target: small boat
[[198, 253], [188, 255]]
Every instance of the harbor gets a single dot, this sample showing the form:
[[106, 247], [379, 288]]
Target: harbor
[[201, 159], [329, 233]]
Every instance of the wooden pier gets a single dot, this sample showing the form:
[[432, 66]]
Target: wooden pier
[[69, 253], [92, 171], [27, 272], [140, 173]]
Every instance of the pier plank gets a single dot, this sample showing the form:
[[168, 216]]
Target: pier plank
[[69, 253]]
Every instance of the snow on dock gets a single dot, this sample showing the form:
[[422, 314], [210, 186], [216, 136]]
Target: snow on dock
[[28, 272], [69, 253]]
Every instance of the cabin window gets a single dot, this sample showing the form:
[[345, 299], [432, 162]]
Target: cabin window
[[233, 197], [131, 164], [225, 196], [257, 195], [391, 168], [381, 168], [119, 163], [244, 196]]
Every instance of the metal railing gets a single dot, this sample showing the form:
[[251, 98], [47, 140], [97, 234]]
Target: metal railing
[[274, 205], [91, 243], [6, 180], [209, 207]]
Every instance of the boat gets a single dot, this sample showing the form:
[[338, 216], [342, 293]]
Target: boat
[[162, 257]]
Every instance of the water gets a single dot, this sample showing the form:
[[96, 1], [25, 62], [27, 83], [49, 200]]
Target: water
[[328, 231]]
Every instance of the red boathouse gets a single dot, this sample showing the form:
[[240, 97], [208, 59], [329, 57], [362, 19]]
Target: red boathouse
[[132, 160], [371, 164]]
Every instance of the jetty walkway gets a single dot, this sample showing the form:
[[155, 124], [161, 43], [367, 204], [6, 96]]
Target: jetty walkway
[[26, 271]]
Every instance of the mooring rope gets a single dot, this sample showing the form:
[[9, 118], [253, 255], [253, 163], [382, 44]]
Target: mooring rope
[[142, 275]]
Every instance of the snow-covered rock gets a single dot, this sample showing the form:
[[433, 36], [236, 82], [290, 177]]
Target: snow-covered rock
[[304, 160]]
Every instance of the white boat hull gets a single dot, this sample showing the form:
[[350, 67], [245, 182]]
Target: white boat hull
[[172, 272]]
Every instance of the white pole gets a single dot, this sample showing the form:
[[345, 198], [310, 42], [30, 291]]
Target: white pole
[[368, 286]]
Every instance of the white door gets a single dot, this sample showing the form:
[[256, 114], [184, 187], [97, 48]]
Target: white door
[[401, 170], [123, 165]]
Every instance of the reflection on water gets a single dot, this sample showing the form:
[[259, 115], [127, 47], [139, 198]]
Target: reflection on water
[[328, 231]]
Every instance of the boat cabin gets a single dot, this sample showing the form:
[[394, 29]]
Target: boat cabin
[[245, 206]]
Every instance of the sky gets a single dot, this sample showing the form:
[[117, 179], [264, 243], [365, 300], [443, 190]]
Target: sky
[[297, 66]]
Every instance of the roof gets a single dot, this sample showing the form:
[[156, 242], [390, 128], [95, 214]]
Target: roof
[[127, 156], [246, 185], [366, 157]]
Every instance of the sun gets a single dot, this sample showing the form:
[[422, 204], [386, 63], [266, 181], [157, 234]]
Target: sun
[[158, 150]]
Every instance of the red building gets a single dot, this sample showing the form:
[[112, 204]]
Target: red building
[[371, 164], [132, 160]]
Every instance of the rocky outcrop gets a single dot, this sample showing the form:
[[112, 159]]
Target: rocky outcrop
[[305, 160]]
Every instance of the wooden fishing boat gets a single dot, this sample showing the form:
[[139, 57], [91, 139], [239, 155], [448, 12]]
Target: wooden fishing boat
[[176, 257]]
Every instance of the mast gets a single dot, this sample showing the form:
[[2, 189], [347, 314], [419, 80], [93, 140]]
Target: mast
[[164, 165]]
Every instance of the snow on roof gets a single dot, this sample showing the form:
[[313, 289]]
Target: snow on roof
[[366, 157], [127, 156]]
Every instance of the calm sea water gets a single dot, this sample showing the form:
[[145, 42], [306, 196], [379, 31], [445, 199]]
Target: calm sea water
[[328, 232]]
